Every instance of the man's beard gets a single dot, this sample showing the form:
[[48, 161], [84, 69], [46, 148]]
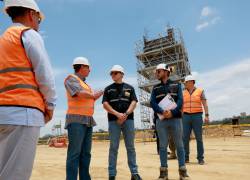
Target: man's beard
[[160, 78]]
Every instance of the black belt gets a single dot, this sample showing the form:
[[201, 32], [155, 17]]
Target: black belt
[[192, 113]]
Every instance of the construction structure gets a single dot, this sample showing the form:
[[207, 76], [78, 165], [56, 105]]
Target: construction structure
[[169, 49]]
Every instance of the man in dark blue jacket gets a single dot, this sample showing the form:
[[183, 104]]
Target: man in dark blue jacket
[[171, 123]]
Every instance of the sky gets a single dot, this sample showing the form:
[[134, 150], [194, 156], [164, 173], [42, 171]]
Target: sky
[[216, 35]]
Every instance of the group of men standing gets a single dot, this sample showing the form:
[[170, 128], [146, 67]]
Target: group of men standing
[[27, 102]]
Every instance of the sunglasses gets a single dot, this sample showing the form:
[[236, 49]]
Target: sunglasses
[[114, 73], [158, 71]]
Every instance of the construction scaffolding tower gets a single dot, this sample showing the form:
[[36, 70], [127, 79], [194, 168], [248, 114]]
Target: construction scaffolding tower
[[169, 49]]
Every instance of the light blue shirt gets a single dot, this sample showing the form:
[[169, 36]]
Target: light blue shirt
[[37, 54]]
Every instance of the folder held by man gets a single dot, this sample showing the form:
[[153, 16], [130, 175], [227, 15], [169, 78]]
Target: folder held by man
[[167, 103]]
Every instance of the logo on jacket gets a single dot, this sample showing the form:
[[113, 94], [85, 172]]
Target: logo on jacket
[[127, 94]]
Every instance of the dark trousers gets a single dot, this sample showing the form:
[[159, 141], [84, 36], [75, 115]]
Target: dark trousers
[[79, 151], [193, 122]]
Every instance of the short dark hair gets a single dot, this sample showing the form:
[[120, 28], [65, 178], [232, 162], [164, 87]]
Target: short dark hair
[[15, 11], [77, 67]]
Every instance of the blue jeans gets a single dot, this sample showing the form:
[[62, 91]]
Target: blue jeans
[[79, 151], [171, 127], [193, 121], [128, 132]]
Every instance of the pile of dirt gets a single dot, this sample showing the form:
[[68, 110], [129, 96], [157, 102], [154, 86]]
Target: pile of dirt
[[221, 131], [210, 131]]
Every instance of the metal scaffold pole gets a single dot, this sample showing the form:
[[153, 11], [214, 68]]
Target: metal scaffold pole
[[169, 49]]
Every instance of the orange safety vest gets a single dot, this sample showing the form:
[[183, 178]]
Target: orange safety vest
[[192, 102], [80, 105], [18, 86]]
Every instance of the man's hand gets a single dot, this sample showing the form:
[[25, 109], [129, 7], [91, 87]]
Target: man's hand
[[121, 118], [48, 115], [98, 94], [167, 114], [206, 119]]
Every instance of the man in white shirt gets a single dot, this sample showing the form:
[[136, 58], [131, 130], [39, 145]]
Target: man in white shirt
[[27, 90]]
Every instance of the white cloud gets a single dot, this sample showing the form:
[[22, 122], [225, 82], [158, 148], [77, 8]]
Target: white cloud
[[227, 89], [208, 18], [201, 26], [207, 11], [215, 20]]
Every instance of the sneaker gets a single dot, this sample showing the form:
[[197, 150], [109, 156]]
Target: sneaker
[[135, 177], [163, 173], [183, 173], [111, 177], [201, 162]]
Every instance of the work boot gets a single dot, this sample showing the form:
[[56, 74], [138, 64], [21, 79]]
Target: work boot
[[183, 173], [163, 173], [172, 156], [111, 177], [201, 162], [135, 177]]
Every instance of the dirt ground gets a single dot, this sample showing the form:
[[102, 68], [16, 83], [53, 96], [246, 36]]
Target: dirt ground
[[226, 158]]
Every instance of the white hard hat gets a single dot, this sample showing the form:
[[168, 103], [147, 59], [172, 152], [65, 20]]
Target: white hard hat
[[31, 4], [81, 60], [117, 68], [163, 66], [189, 78]]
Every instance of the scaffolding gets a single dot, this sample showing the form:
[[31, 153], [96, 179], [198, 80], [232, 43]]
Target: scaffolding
[[169, 49]]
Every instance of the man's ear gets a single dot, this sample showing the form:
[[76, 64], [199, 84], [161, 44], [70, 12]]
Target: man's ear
[[29, 15], [168, 73]]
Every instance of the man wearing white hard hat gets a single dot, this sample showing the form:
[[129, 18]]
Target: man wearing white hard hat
[[193, 101], [170, 124], [120, 100], [27, 90], [79, 120]]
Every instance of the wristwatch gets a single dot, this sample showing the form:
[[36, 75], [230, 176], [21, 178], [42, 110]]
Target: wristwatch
[[207, 114], [127, 113]]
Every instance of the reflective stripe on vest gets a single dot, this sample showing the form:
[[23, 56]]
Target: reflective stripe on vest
[[18, 85], [160, 95], [80, 105], [119, 99], [192, 103]]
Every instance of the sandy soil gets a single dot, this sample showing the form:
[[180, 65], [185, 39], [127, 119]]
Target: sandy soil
[[226, 158]]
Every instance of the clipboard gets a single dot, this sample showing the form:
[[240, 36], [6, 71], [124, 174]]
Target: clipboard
[[167, 103]]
